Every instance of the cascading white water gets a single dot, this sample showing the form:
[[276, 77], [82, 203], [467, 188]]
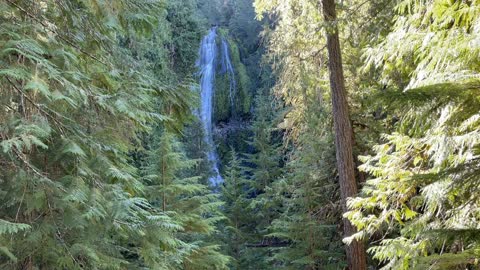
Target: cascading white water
[[227, 68], [207, 64]]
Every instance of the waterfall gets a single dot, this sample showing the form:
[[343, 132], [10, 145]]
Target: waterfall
[[207, 66], [227, 68]]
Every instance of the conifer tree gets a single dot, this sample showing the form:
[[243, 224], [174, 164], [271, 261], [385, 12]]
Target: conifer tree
[[65, 113], [266, 144], [188, 202], [79, 88], [343, 132], [301, 67], [420, 203], [307, 226], [264, 168], [103, 164], [238, 228]]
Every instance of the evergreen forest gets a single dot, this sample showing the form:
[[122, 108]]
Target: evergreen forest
[[239, 134]]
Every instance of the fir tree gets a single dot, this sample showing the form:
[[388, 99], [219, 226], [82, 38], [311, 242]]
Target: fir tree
[[420, 200], [79, 87], [264, 169], [188, 202], [234, 193], [308, 224]]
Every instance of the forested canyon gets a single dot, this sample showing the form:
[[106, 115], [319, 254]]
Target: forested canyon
[[239, 134]]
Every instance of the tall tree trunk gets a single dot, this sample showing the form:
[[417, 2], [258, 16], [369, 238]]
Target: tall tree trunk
[[343, 132]]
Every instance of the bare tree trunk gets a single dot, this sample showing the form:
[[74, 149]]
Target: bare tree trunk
[[343, 132]]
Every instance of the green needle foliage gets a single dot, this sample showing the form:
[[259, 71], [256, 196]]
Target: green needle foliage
[[80, 81], [422, 197], [412, 71], [190, 204], [103, 159], [422, 202], [310, 212], [234, 194]]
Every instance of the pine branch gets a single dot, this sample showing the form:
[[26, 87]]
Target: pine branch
[[58, 234], [55, 32], [37, 106]]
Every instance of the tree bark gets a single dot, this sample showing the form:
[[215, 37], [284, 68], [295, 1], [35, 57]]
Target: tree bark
[[356, 258]]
